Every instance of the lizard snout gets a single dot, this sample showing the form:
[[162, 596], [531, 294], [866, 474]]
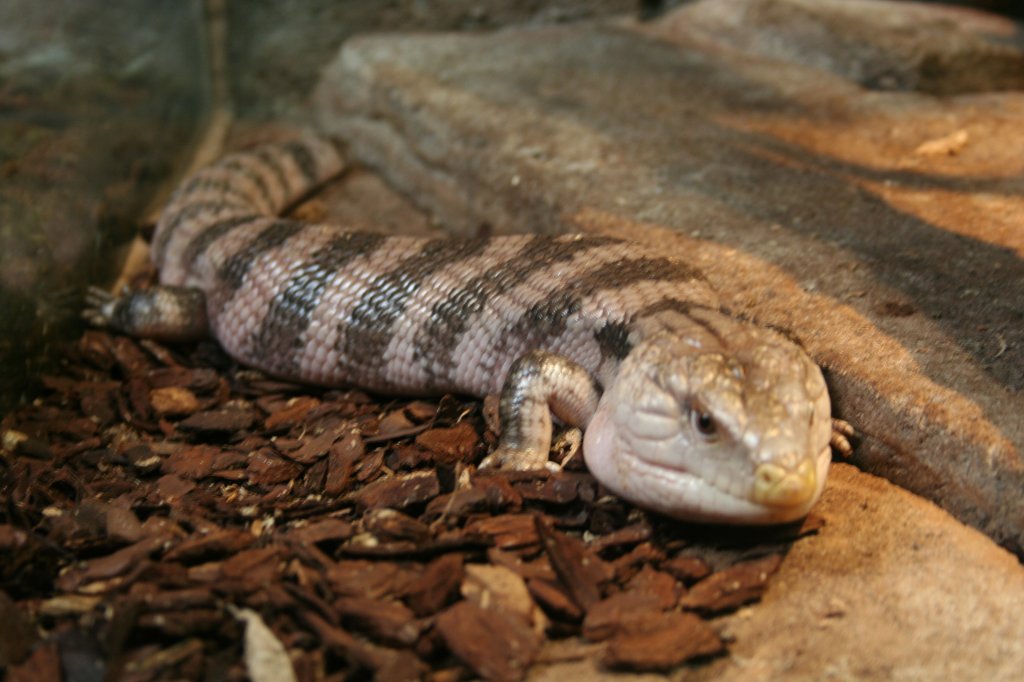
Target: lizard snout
[[779, 486]]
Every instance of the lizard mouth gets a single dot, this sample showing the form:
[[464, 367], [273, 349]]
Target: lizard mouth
[[776, 494], [777, 486]]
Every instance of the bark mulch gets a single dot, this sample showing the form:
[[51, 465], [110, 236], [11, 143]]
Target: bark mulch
[[166, 514]]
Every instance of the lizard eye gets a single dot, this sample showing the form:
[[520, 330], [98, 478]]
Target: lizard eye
[[704, 423]]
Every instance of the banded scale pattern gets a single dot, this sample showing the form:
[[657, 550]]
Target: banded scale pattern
[[322, 304], [687, 410]]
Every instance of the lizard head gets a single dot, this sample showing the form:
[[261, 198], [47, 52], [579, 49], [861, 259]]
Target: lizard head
[[714, 419]]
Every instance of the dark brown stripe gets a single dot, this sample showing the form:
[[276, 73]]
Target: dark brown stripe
[[683, 308], [240, 165], [305, 161], [281, 333], [544, 322], [450, 317], [268, 157], [225, 187], [189, 211], [370, 328], [613, 337], [233, 271], [211, 233], [613, 340]]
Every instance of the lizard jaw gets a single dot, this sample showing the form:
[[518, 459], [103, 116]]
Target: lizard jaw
[[775, 497]]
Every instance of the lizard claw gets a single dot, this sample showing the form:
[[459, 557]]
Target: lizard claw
[[513, 459], [842, 431], [99, 306]]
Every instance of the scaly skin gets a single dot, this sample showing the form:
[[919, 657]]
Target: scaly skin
[[687, 410], [762, 457]]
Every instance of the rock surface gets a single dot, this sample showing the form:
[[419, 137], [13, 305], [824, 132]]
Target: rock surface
[[881, 228], [890, 588], [276, 50]]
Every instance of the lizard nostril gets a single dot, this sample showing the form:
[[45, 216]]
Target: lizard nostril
[[779, 486]]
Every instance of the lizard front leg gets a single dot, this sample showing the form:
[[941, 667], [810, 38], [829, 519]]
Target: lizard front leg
[[538, 385]]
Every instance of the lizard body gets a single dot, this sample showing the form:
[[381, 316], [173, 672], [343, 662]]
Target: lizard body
[[687, 410]]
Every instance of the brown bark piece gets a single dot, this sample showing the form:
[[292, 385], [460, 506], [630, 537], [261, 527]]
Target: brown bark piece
[[687, 568], [507, 531], [291, 413], [662, 586], [173, 401], [398, 492], [43, 665], [389, 525], [629, 535], [560, 488], [217, 544], [184, 623], [394, 424], [539, 568], [617, 613], [737, 585], [387, 664], [436, 586], [266, 467], [627, 565], [374, 579], [194, 462], [674, 638], [555, 599], [341, 459], [459, 443], [112, 565], [314, 446], [495, 645], [17, 634], [228, 419], [200, 379], [383, 619], [322, 531], [171, 488], [122, 525], [253, 566], [580, 570], [501, 588]]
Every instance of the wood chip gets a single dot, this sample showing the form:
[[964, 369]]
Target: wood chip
[[459, 443], [17, 634], [43, 665], [291, 413], [386, 620], [149, 487], [555, 599], [173, 401], [673, 638], [507, 531], [374, 579], [325, 530], [497, 587], [733, 587], [686, 568], [495, 645], [398, 492], [619, 613], [437, 586], [230, 418], [579, 569], [662, 586]]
